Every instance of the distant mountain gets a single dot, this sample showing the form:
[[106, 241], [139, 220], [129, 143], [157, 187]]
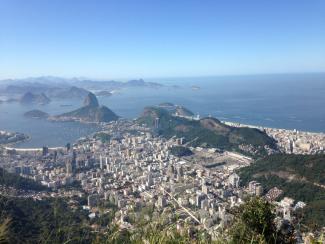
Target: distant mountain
[[56, 87], [26, 87], [141, 82], [36, 114], [90, 112], [111, 85], [208, 132], [29, 98], [103, 93], [67, 92], [301, 177]]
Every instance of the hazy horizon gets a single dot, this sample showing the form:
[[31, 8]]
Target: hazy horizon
[[125, 79]]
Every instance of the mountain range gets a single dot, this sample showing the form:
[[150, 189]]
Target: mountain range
[[56, 87]]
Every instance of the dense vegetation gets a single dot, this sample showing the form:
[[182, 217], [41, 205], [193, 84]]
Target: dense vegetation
[[18, 182], [180, 151], [53, 221], [301, 177], [207, 132], [104, 137], [255, 222], [46, 221]]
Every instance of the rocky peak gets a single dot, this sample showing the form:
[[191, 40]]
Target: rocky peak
[[91, 100]]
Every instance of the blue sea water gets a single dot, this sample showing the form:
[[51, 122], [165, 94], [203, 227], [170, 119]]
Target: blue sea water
[[281, 101]]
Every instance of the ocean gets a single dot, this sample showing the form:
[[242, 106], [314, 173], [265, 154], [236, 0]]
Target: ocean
[[289, 101]]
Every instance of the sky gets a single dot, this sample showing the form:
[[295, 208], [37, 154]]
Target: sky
[[167, 38]]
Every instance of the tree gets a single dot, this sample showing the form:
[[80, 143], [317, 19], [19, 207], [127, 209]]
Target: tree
[[254, 222]]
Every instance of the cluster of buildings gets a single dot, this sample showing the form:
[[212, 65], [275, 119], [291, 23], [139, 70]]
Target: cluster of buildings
[[7, 137], [298, 142], [134, 170], [292, 141]]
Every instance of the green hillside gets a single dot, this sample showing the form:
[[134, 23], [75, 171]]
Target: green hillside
[[208, 132], [301, 177], [47, 221]]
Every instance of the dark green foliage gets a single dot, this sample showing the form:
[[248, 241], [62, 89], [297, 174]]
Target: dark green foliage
[[46, 221], [297, 176], [18, 182], [104, 137], [180, 151], [313, 214], [255, 223], [207, 132]]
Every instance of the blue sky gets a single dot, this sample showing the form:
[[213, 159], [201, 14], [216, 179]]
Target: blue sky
[[139, 38]]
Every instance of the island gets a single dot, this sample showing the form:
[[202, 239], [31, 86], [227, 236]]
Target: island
[[104, 93], [36, 114]]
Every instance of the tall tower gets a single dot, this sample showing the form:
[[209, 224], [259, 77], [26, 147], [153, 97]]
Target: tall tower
[[100, 162], [68, 165], [156, 123]]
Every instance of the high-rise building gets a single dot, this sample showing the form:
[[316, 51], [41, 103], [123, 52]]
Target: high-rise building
[[156, 123], [101, 162], [149, 180], [68, 147], [45, 151]]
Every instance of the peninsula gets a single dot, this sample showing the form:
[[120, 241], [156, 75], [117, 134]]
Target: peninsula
[[90, 112]]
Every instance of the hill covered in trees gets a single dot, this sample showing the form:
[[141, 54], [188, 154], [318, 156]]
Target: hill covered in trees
[[301, 177], [207, 132], [47, 221]]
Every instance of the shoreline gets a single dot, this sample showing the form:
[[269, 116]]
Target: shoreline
[[239, 125], [272, 132], [291, 141]]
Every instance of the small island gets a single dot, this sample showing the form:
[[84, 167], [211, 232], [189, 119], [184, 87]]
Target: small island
[[104, 94], [36, 114]]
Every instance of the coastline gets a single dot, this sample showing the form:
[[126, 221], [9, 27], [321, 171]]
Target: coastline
[[236, 124], [291, 141]]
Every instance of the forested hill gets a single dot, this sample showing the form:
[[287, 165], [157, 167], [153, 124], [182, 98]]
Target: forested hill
[[301, 177], [24, 220], [208, 132], [18, 182]]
